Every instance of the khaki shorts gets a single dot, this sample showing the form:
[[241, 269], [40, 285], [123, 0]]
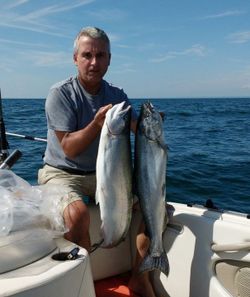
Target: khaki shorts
[[76, 187]]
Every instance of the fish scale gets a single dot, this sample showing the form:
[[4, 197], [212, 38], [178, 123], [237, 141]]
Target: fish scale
[[150, 183], [114, 175]]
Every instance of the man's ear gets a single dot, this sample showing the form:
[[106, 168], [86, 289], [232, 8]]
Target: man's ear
[[75, 58], [109, 58]]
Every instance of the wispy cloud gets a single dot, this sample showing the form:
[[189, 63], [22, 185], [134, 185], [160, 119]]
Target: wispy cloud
[[246, 86], [239, 37], [246, 77], [53, 9], [108, 14], [36, 59], [36, 20], [6, 66], [48, 59], [224, 14], [194, 50], [28, 44], [124, 68], [12, 4], [113, 37]]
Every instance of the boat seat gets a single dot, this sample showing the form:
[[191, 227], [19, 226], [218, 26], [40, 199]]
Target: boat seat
[[108, 262], [21, 248]]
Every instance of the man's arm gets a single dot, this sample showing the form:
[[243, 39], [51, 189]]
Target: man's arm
[[73, 143]]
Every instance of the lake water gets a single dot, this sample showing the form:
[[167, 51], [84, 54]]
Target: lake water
[[208, 140]]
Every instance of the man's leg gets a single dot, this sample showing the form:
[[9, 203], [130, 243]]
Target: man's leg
[[73, 209], [77, 220], [140, 282]]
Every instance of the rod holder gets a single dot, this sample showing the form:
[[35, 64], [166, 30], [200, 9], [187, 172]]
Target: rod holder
[[11, 160]]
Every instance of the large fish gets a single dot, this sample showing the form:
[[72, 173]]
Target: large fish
[[114, 175], [150, 183]]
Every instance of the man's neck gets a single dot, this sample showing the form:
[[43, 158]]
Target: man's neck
[[92, 89]]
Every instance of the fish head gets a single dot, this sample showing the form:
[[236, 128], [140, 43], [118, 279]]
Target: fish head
[[150, 122], [118, 118]]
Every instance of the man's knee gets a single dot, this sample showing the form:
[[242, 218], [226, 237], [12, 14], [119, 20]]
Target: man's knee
[[77, 220], [77, 214]]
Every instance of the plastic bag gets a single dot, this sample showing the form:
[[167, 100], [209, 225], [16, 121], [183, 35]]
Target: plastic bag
[[6, 214], [25, 207]]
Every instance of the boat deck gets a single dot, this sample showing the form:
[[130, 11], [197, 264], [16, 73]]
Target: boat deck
[[114, 287]]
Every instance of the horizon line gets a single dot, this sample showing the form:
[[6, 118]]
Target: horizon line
[[146, 98]]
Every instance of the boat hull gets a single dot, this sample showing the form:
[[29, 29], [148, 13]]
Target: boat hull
[[208, 252], [190, 241], [49, 277]]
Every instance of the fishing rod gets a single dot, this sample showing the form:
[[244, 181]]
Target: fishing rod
[[6, 160], [3, 140], [26, 137]]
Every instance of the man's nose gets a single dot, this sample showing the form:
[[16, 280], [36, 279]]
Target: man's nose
[[93, 60]]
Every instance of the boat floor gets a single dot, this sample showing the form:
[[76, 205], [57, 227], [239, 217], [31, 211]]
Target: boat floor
[[116, 286]]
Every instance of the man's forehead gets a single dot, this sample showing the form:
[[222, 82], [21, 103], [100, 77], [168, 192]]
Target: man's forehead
[[92, 42], [92, 48]]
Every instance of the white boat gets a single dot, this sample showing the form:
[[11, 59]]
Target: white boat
[[208, 252]]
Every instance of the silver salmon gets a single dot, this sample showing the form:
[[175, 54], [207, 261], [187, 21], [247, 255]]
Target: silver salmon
[[150, 184], [114, 175]]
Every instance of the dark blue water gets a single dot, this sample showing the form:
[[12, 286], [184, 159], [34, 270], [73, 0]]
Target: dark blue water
[[208, 139]]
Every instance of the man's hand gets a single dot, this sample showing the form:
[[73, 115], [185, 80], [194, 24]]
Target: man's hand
[[73, 143], [100, 115]]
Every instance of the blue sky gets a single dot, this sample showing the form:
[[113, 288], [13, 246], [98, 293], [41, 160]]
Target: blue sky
[[160, 48]]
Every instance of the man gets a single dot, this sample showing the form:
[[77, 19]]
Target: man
[[75, 111]]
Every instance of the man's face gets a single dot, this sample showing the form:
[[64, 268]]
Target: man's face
[[92, 60]]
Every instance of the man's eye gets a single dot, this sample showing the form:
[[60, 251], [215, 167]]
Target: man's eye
[[100, 55], [87, 56]]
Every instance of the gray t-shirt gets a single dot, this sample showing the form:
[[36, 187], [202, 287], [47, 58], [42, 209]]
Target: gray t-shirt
[[70, 108]]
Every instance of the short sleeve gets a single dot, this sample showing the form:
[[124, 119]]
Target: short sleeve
[[60, 111]]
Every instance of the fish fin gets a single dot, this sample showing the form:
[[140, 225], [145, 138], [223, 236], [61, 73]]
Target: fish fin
[[162, 114], [96, 198], [95, 246], [112, 244], [99, 190], [163, 145], [160, 263]]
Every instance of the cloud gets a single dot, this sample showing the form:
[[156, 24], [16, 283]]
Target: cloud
[[239, 37], [12, 4], [6, 66], [113, 37], [224, 14], [36, 20], [48, 59], [53, 9], [246, 86], [28, 44], [108, 14], [246, 77], [123, 68], [194, 50]]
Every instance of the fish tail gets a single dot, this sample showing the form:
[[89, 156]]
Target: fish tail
[[160, 263]]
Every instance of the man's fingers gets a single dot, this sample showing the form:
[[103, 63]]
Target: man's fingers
[[100, 116], [105, 108]]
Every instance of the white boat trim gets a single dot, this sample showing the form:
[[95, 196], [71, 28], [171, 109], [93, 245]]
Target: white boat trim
[[198, 242]]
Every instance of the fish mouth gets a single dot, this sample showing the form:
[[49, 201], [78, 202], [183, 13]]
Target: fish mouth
[[150, 122], [150, 106], [119, 118], [120, 111], [147, 109]]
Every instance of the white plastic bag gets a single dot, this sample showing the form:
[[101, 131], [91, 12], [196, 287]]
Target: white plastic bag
[[6, 212], [24, 206]]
